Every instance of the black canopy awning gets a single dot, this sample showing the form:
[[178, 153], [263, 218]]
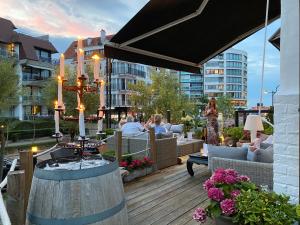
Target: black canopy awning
[[184, 34], [275, 39]]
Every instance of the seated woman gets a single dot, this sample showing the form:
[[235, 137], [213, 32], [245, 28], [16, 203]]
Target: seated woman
[[256, 143], [157, 125], [131, 127]]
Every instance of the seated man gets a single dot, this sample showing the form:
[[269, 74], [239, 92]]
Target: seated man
[[131, 127], [157, 127]]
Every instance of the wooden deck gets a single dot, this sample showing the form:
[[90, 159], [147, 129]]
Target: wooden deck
[[167, 197]]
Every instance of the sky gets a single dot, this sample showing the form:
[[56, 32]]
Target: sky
[[65, 20]]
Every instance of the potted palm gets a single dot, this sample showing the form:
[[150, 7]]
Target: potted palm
[[234, 199]]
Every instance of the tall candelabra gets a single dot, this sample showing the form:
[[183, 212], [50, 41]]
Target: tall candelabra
[[82, 86]]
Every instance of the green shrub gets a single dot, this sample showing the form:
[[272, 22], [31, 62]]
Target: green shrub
[[262, 207], [109, 131], [236, 133]]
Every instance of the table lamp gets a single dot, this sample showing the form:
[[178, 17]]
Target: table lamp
[[253, 124]]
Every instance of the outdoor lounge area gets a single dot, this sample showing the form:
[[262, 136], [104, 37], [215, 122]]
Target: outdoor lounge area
[[167, 121]]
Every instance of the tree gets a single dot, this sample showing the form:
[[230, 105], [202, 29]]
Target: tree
[[9, 83], [225, 106], [161, 95]]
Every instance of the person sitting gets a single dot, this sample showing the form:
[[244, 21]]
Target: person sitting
[[122, 122], [158, 129], [256, 143], [150, 122], [131, 127]]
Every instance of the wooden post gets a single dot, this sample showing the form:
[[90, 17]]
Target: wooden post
[[15, 203], [118, 141], [153, 152], [26, 161]]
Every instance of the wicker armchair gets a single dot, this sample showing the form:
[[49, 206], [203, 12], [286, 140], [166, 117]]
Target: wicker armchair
[[236, 158]]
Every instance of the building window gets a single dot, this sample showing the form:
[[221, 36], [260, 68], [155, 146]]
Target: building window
[[214, 79], [234, 72], [234, 64], [233, 87], [214, 87], [215, 71], [234, 80], [233, 56], [215, 64]]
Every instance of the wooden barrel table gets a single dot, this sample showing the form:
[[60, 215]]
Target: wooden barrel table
[[76, 197]]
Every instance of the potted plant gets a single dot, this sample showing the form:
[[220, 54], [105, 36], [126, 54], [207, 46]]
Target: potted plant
[[235, 133], [188, 124], [234, 199]]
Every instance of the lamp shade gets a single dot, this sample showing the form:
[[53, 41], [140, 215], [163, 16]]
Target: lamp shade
[[254, 123]]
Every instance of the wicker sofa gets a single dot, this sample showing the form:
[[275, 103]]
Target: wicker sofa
[[260, 173]]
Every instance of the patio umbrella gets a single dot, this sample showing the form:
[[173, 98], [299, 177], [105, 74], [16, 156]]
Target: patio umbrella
[[184, 34]]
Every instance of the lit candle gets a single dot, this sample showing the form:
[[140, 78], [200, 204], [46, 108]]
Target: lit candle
[[81, 121], [56, 120], [81, 61], [96, 67], [62, 66], [59, 91], [100, 126], [102, 96]]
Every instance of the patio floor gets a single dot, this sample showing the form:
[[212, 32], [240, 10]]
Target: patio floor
[[167, 197]]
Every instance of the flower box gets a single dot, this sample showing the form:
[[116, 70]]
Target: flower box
[[137, 173]]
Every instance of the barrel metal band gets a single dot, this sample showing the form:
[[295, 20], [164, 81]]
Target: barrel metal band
[[78, 220], [60, 175]]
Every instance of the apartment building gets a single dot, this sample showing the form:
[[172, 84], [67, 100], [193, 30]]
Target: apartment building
[[192, 85], [33, 61], [226, 74]]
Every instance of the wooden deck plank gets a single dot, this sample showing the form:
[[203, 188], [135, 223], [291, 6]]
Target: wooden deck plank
[[167, 197]]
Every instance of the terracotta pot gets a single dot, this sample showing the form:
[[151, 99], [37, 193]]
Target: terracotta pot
[[224, 220]]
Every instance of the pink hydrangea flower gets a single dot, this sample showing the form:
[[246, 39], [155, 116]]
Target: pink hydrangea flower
[[229, 179], [231, 172], [235, 193], [228, 207], [218, 177], [200, 215], [123, 164], [208, 184], [215, 194], [244, 178]]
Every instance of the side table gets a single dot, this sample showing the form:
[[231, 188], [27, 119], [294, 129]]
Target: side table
[[195, 158]]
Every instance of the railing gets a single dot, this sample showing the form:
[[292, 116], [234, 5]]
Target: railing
[[45, 59]]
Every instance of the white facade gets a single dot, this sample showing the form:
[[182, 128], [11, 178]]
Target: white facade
[[286, 107], [226, 74]]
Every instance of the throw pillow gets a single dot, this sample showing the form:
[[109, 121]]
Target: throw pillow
[[265, 155], [177, 128], [261, 155]]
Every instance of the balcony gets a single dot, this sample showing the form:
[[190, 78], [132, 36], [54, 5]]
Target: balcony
[[32, 100], [45, 63], [29, 79]]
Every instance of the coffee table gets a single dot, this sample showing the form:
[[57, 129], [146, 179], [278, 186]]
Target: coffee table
[[195, 158]]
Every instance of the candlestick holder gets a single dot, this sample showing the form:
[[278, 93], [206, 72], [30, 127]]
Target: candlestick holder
[[82, 141], [57, 136]]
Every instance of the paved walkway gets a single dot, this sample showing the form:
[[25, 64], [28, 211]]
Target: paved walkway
[[169, 197]]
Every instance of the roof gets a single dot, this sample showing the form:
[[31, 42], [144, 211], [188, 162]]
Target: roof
[[28, 44], [71, 54], [7, 30]]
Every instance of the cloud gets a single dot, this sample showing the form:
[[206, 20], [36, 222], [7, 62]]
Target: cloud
[[70, 18]]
